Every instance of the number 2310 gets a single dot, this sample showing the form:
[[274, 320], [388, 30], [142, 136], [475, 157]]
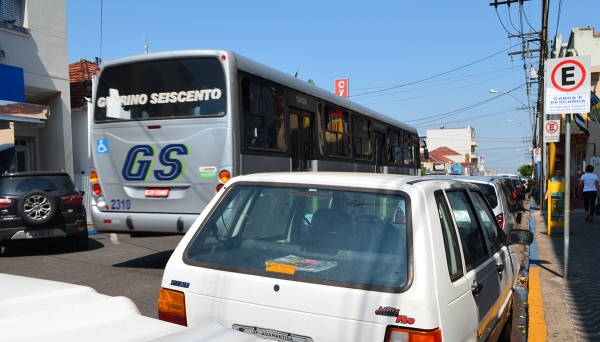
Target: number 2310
[[120, 204]]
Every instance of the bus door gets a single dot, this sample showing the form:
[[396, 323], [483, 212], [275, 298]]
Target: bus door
[[380, 154], [301, 136]]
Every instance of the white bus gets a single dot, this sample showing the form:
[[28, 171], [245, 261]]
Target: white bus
[[169, 129]]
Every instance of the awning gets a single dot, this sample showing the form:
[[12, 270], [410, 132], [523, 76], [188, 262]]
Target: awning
[[24, 115]]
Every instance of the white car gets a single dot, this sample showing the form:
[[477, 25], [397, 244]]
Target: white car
[[497, 195], [322, 257]]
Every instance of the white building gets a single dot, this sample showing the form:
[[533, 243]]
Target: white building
[[461, 140], [35, 110]]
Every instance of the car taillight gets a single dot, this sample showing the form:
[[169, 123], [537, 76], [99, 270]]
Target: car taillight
[[500, 218], [412, 335], [5, 202], [73, 199], [171, 306], [514, 195]]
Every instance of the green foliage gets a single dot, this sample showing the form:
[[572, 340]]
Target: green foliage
[[423, 170], [525, 170]]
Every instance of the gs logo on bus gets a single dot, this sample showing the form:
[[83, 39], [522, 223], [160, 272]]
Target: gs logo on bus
[[136, 168]]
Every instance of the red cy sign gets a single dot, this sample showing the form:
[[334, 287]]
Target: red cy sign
[[341, 87]]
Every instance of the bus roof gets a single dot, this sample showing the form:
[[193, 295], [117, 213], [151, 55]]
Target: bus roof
[[255, 68]]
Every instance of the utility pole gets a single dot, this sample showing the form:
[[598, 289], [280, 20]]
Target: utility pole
[[540, 104]]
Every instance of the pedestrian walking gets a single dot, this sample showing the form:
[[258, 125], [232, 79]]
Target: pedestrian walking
[[588, 185]]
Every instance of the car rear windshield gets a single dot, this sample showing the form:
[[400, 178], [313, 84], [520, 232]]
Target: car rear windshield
[[490, 194], [343, 238], [173, 88], [20, 185]]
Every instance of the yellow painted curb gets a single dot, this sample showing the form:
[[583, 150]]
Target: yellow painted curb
[[537, 322]]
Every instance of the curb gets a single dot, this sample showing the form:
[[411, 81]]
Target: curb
[[537, 323]]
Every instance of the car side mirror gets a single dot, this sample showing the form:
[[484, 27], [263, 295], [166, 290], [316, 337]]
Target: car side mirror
[[82, 192], [520, 237]]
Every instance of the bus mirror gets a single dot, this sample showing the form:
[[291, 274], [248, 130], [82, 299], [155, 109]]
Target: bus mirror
[[426, 153]]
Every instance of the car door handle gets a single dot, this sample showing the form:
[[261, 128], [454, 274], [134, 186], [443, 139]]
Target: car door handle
[[500, 268], [476, 289]]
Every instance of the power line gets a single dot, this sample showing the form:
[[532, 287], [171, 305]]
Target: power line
[[438, 75]]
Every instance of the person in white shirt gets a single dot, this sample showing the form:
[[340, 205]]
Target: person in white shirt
[[588, 185]]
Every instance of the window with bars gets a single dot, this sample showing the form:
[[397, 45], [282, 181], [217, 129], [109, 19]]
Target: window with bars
[[11, 12]]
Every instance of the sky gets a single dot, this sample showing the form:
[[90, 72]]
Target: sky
[[426, 63]]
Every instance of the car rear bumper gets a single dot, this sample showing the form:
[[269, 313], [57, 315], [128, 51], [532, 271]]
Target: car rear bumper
[[24, 233], [129, 222]]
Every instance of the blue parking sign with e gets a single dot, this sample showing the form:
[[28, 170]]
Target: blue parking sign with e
[[102, 146]]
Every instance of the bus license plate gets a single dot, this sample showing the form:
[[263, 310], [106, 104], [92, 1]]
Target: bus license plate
[[156, 192], [39, 234], [272, 335]]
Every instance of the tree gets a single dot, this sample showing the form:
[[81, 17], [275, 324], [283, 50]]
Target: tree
[[525, 170]]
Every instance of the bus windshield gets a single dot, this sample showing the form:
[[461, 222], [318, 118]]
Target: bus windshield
[[161, 89]]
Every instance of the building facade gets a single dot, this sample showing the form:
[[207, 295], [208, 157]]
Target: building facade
[[34, 74], [461, 140]]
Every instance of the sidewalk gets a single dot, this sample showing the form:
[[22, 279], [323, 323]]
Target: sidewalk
[[559, 309]]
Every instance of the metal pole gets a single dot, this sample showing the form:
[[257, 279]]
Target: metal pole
[[567, 194]]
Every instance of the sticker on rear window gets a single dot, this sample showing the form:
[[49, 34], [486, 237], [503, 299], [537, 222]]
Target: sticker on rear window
[[208, 171]]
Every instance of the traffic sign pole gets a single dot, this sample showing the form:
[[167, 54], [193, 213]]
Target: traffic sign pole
[[567, 194]]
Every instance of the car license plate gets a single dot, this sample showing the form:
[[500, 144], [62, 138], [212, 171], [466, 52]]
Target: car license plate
[[156, 192], [272, 335], [39, 234]]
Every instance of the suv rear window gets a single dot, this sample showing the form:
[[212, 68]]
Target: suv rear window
[[21, 185], [343, 238]]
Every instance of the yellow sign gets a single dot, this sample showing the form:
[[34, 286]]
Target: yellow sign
[[280, 268]]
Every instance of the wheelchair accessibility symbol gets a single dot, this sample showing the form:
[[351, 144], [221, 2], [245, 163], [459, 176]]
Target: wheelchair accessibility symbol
[[102, 146]]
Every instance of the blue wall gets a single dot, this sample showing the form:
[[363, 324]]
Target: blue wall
[[12, 84]]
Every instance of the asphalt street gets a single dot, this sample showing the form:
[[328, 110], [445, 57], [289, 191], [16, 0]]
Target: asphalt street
[[116, 265]]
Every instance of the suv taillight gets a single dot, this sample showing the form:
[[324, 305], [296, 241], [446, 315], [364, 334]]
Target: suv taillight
[[73, 199], [514, 195], [500, 218], [394, 333], [5, 202], [171, 306]]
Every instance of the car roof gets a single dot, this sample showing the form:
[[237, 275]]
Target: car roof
[[349, 179]]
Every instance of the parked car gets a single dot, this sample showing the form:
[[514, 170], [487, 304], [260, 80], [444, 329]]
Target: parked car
[[41, 205], [516, 198], [495, 192], [321, 257]]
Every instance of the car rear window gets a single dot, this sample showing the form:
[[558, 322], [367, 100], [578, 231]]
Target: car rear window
[[490, 194], [344, 238], [21, 185]]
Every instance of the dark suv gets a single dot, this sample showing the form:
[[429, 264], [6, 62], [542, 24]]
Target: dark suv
[[41, 205]]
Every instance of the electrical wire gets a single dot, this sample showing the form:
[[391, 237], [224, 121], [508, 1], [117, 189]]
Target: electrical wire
[[558, 19], [438, 75], [458, 111], [501, 23], [527, 20]]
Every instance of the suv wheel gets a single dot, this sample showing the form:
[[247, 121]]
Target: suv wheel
[[36, 208]]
